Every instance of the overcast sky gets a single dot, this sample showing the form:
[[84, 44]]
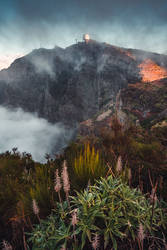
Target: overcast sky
[[29, 24]]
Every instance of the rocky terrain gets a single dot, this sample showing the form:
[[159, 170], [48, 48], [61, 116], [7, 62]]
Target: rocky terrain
[[82, 81]]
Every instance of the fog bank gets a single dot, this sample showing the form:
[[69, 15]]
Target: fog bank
[[30, 134]]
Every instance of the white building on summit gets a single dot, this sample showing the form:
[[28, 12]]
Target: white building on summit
[[86, 38]]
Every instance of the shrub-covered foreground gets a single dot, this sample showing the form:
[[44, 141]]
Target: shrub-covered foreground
[[108, 215], [131, 154]]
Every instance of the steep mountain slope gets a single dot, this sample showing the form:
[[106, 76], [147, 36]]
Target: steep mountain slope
[[142, 103], [73, 84], [146, 101]]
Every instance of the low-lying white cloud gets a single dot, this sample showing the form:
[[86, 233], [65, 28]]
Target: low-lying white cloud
[[30, 134], [42, 65]]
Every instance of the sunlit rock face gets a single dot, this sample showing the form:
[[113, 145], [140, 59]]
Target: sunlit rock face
[[71, 85], [150, 71]]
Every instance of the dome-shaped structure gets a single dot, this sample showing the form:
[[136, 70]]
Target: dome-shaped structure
[[86, 38]]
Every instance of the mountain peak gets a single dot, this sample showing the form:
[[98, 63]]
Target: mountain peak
[[71, 85]]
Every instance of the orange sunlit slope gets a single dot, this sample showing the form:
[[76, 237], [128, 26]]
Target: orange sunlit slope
[[150, 71]]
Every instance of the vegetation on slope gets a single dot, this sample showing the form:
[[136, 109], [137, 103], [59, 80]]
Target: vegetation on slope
[[133, 156], [108, 214]]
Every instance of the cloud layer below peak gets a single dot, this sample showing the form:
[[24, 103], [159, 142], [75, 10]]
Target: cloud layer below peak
[[30, 134]]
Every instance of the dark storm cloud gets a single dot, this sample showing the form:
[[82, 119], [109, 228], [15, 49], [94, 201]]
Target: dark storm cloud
[[34, 23], [92, 10]]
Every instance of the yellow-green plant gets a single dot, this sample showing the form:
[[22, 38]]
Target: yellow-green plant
[[88, 164]]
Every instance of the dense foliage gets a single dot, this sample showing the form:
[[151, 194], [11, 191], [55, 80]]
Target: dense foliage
[[132, 155], [110, 211]]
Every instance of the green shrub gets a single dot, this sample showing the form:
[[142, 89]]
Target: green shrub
[[21, 181], [110, 211]]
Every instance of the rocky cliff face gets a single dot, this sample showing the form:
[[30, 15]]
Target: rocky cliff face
[[146, 102], [73, 84]]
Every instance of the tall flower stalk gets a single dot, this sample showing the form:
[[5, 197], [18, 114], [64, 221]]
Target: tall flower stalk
[[35, 208], [129, 176], [66, 182], [141, 236], [6, 245], [58, 184], [74, 221], [96, 242], [119, 165]]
